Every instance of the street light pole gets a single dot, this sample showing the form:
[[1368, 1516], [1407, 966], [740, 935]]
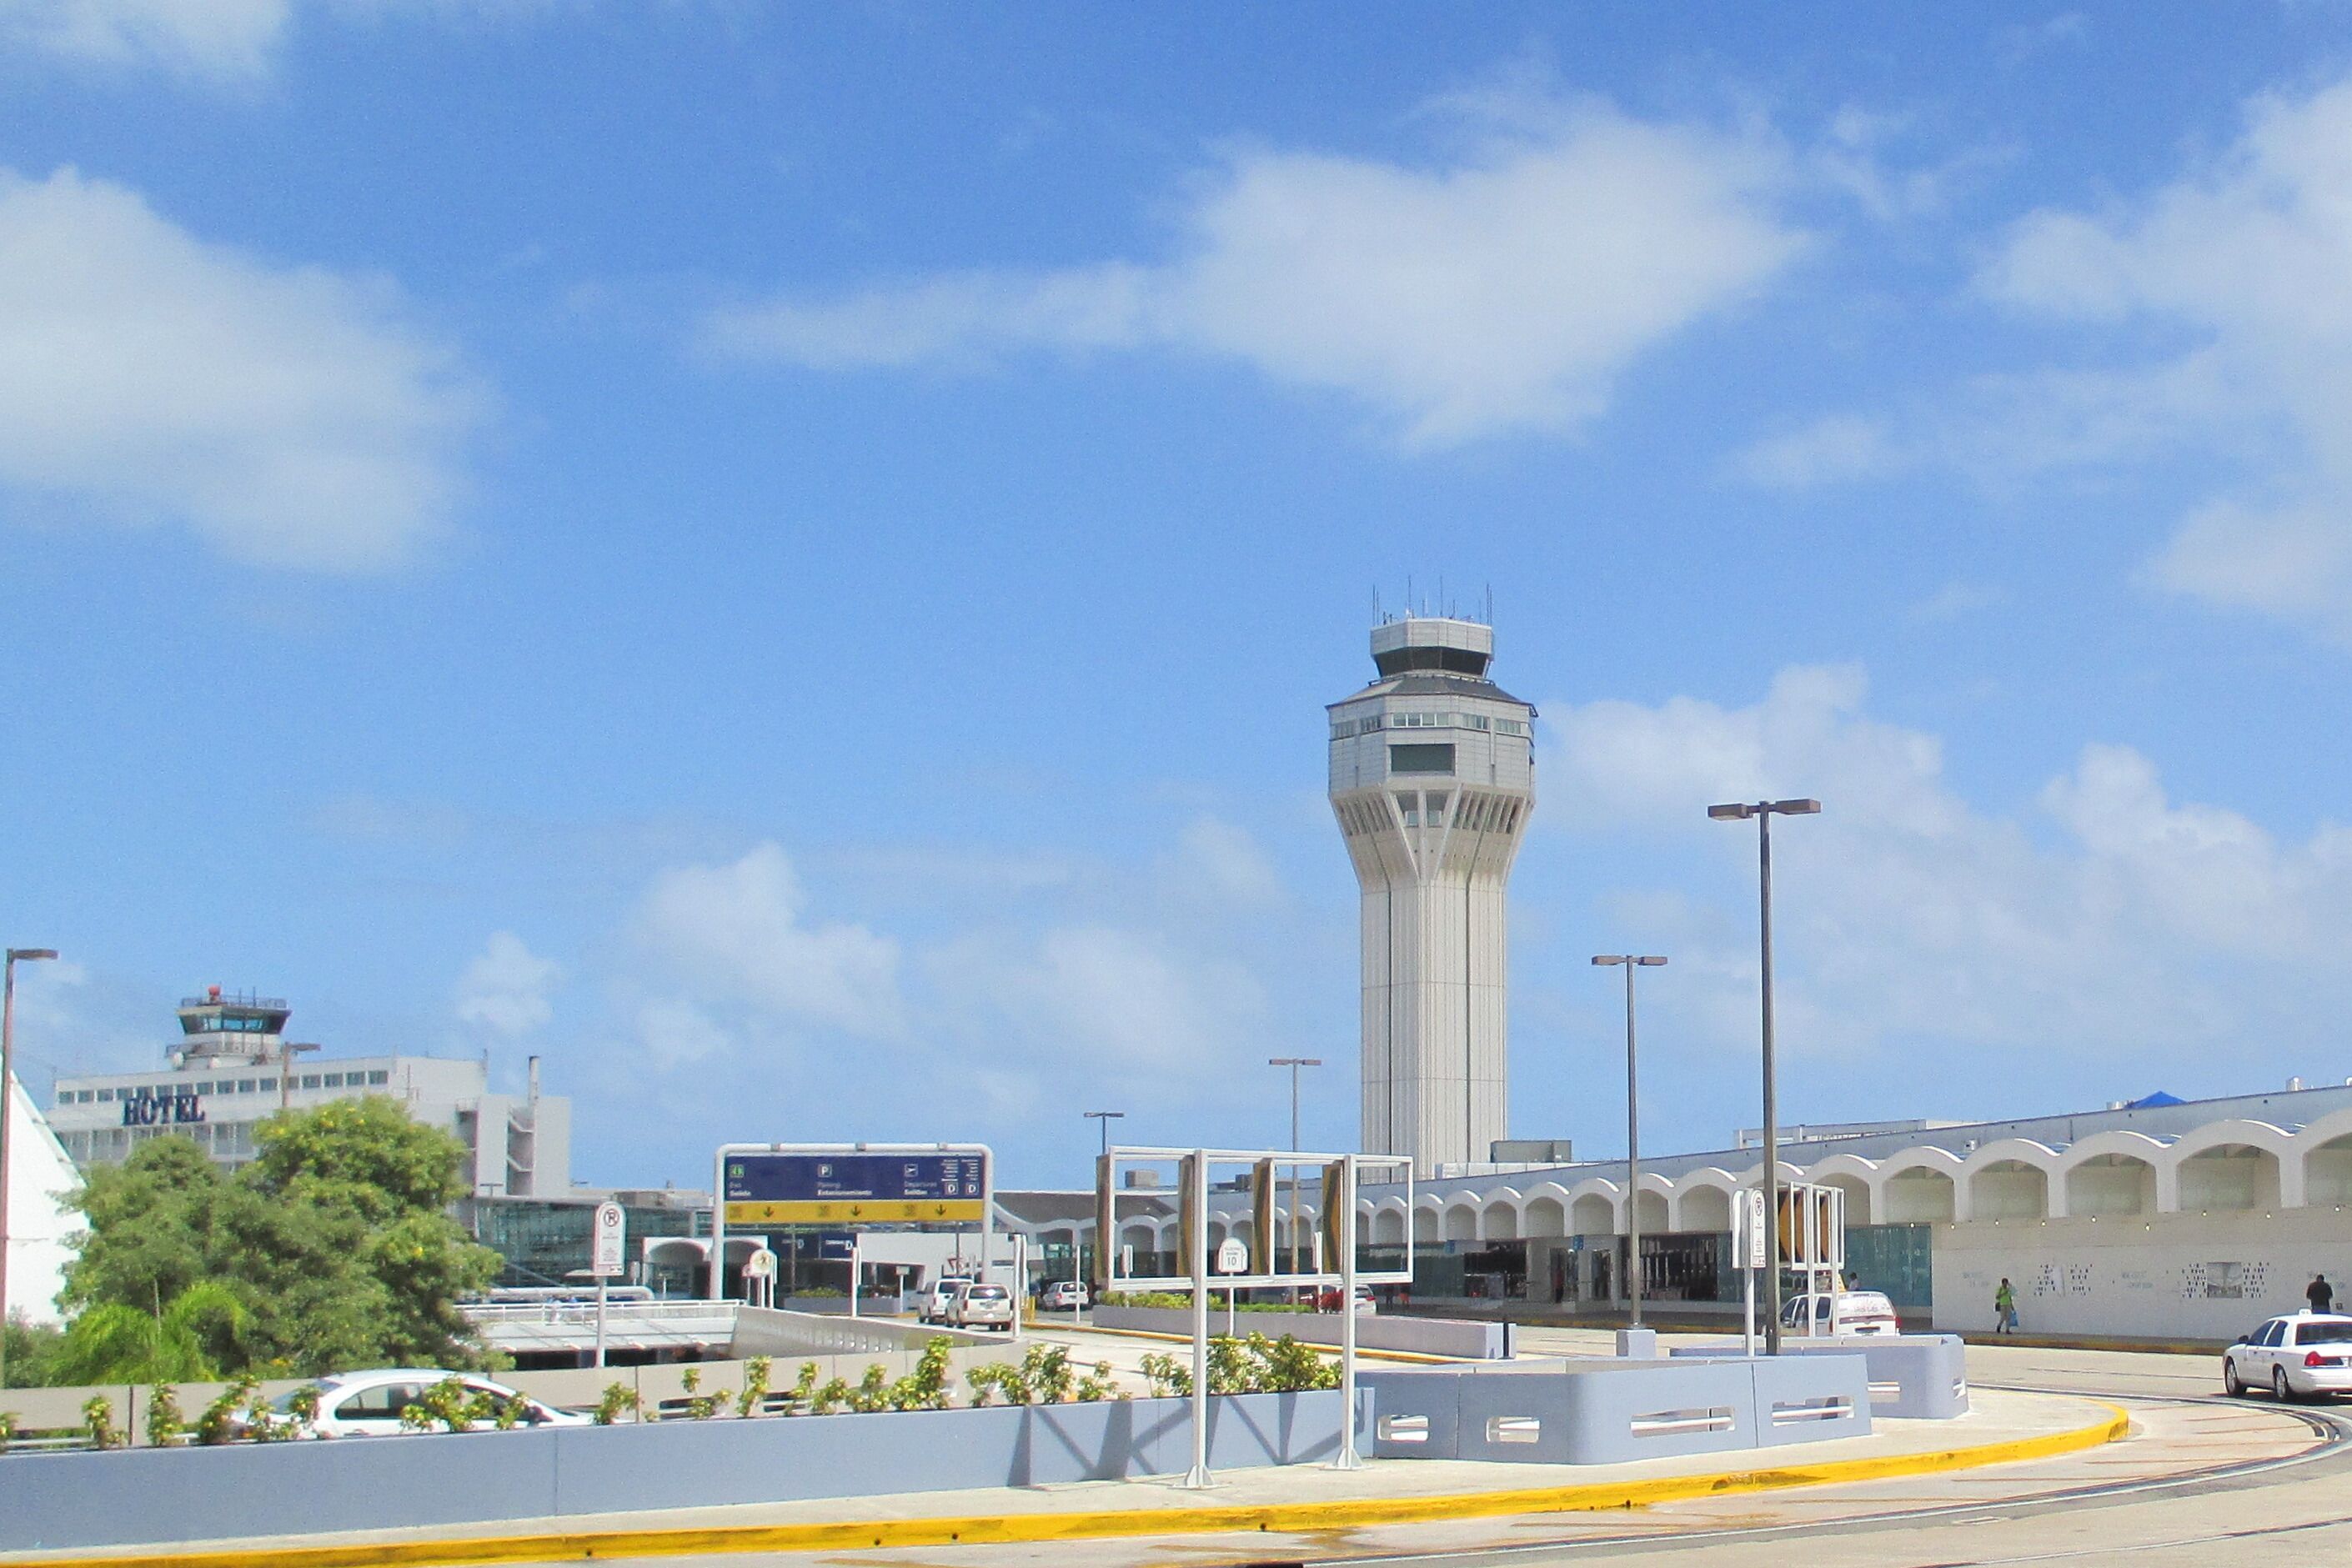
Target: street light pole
[[1294, 1064], [8, 1110], [1633, 1132], [1105, 1118], [1764, 812]]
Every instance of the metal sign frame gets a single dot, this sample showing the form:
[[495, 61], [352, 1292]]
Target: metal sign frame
[[1114, 1263], [1811, 1226], [1335, 1218], [985, 1225]]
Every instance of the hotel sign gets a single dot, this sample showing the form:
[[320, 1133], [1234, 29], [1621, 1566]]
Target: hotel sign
[[145, 1110]]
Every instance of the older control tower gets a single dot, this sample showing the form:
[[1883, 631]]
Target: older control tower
[[1432, 779]]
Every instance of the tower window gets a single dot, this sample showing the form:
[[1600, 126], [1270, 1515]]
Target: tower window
[[1426, 758]]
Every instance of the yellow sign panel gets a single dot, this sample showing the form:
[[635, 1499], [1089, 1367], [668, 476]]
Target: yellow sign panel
[[858, 1211]]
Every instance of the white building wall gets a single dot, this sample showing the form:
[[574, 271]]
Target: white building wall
[[2186, 1276], [39, 1176]]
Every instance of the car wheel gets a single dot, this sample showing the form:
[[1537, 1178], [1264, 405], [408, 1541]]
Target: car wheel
[[2231, 1383], [2279, 1390]]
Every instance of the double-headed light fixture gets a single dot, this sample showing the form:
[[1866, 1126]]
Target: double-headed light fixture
[[1633, 1131], [1764, 812]]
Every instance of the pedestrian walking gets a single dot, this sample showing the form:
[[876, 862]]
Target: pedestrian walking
[[2004, 1308], [2320, 1295]]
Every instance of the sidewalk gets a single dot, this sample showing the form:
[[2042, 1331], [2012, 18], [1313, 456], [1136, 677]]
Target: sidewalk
[[2004, 1428]]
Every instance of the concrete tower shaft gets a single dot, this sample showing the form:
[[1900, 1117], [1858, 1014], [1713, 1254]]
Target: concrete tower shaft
[[1432, 780]]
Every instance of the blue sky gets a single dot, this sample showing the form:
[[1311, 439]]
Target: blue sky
[[787, 559]]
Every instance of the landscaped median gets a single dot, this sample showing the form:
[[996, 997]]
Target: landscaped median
[[2012, 1428]]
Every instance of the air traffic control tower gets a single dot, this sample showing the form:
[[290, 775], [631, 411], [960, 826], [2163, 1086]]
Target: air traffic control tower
[[1432, 779]]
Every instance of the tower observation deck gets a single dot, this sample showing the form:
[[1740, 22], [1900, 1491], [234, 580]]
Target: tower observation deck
[[1432, 779]]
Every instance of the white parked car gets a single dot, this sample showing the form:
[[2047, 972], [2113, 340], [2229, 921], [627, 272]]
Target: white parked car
[[978, 1306], [942, 1296], [1858, 1312], [2296, 1356], [368, 1403], [1064, 1296]]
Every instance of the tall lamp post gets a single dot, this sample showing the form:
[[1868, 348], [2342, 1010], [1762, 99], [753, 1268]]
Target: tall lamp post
[[1294, 1064], [8, 1108], [1105, 1118], [1764, 812], [1633, 1131]]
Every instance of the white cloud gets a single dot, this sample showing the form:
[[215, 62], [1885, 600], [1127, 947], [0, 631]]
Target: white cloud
[[286, 415], [2115, 920], [505, 988], [1956, 600], [2294, 563], [674, 1033], [225, 44], [225, 39], [740, 931], [1504, 291], [2249, 255], [1127, 1009], [1837, 450], [1224, 864]]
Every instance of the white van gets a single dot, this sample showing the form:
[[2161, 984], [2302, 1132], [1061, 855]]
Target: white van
[[1858, 1312], [943, 1297]]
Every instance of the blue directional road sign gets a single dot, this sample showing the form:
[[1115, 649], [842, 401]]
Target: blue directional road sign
[[856, 1189]]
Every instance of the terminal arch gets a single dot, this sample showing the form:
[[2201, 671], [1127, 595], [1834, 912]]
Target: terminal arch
[[1857, 1198], [2111, 1184], [2009, 1189], [1705, 1205], [1546, 1213], [1593, 1214], [1651, 1207], [1918, 1194], [1461, 1222], [1500, 1220], [2327, 1174], [2228, 1177]]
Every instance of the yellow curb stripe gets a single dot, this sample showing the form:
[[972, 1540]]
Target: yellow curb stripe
[[982, 1530]]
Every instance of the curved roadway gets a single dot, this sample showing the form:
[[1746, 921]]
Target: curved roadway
[[2204, 1480]]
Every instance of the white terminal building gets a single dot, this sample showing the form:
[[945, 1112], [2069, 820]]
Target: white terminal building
[[1433, 777], [233, 1067]]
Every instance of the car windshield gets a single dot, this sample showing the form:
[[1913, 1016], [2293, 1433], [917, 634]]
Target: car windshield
[[284, 1402], [2324, 1334]]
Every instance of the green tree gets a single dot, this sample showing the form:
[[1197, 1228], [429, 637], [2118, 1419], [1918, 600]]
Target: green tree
[[336, 1242], [30, 1346], [150, 1222], [110, 1343]]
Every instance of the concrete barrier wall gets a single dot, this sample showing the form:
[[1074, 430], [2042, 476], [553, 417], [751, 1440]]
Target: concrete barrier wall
[[157, 1496], [568, 1387], [1915, 1377], [1426, 1337], [1609, 1411]]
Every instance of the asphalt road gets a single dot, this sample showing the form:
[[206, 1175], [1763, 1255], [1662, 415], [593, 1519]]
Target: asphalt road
[[2204, 1481]]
